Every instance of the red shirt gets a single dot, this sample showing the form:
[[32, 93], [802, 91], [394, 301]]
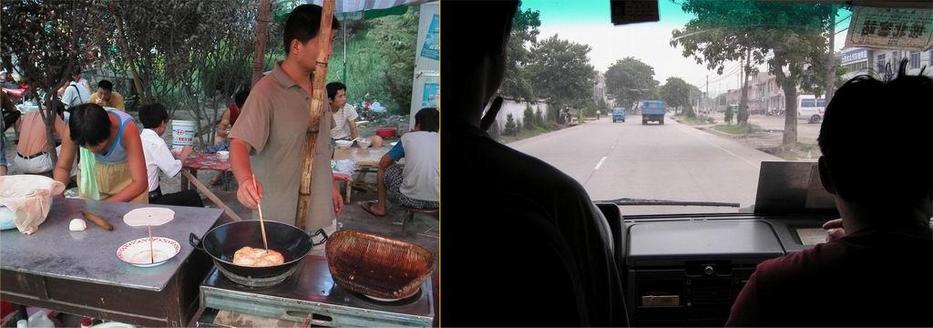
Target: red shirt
[[870, 278], [234, 113]]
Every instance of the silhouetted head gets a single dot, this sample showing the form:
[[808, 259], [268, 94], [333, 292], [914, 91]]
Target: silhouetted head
[[877, 142], [479, 32]]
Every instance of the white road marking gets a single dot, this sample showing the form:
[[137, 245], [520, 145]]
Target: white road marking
[[600, 163]]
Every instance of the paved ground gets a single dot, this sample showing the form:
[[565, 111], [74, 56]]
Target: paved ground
[[671, 162], [806, 132]]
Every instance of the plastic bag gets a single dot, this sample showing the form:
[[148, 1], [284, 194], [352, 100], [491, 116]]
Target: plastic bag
[[343, 166], [29, 197], [87, 186]]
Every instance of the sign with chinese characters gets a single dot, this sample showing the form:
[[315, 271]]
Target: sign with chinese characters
[[892, 28], [429, 94], [854, 56], [431, 48]]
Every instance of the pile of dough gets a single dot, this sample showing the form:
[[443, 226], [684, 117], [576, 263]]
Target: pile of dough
[[257, 257]]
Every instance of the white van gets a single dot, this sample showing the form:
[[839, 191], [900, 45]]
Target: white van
[[810, 108]]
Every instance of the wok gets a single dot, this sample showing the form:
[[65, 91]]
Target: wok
[[224, 240]]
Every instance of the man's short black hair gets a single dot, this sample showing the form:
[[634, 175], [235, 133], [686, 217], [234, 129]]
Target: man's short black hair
[[333, 87], [303, 24], [152, 115], [240, 98], [873, 162], [89, 124], [106, 85], [427, 119]]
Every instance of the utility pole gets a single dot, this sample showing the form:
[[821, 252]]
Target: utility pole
[[707, 92]]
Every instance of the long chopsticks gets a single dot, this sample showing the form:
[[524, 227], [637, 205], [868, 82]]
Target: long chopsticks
[[262, 224], [151, 251]]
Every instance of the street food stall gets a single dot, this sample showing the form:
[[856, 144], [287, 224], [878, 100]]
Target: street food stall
[[81, 272]]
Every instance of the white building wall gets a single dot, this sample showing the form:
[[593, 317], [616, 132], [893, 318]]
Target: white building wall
[[517, 109]]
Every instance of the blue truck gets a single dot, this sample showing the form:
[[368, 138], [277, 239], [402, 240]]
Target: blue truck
[[652, 110], [618, 114]]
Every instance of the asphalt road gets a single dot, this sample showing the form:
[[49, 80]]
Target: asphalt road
[[670, 162]]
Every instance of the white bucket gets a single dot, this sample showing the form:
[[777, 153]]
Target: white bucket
[[182, 133]]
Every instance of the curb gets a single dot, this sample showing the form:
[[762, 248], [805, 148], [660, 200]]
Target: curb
[[725, 134]]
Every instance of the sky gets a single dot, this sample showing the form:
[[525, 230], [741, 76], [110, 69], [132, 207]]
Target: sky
[[588, 22]]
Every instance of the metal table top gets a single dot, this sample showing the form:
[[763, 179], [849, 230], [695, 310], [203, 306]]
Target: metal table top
[[90, 255], [312, 283]]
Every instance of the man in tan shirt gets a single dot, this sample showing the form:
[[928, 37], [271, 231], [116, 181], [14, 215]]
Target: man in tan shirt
[[106, 97], [273, 126], [32, 151]]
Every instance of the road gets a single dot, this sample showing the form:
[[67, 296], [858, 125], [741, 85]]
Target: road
[[670, 162]]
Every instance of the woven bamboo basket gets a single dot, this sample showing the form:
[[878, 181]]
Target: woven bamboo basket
[[377, 266]]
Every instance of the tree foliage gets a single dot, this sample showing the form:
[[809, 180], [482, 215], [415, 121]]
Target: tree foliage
[[190, 55], [561, 70], [46, 40], [678, 93], [790, 37], [629, 80], [517, 83], [395, 42]]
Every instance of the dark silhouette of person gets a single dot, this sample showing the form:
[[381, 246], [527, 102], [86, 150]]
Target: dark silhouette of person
[[527, 240], [875, 269]]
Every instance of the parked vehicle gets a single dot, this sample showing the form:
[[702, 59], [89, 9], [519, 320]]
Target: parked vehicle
[[652, 110], [618, 114], [810, 108]]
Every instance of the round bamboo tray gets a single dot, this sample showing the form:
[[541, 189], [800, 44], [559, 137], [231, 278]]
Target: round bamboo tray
[[377, 266]]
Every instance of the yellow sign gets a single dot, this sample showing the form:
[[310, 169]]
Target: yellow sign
[[891, 28]]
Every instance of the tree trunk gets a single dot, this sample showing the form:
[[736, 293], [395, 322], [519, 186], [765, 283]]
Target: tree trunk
[[790, 103], [743, 103], [830, 57], [121, 37], [48, 117], [316, 108], [262, 33], [689, 109]]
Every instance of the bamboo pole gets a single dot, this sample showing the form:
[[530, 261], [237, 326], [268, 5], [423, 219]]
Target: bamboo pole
[[316, 108]]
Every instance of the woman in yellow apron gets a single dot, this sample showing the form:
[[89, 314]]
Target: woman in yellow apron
[[119, 165]]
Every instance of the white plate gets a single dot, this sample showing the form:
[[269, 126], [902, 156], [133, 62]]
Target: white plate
[[149, 216], [136, 252]]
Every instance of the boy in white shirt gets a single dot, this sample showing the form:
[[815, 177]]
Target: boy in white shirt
[[158, 156], [344, 114]]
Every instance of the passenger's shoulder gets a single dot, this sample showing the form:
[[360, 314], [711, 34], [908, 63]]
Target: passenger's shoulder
[[515, 165], [802, 263]]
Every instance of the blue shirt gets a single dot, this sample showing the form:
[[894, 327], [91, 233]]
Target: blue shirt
[[116, 154], [397, 152]]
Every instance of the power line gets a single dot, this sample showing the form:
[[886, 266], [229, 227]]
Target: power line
[[731, 72]]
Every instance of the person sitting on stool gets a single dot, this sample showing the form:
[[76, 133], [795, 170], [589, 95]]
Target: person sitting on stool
[[415, 184], [158, 156]]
